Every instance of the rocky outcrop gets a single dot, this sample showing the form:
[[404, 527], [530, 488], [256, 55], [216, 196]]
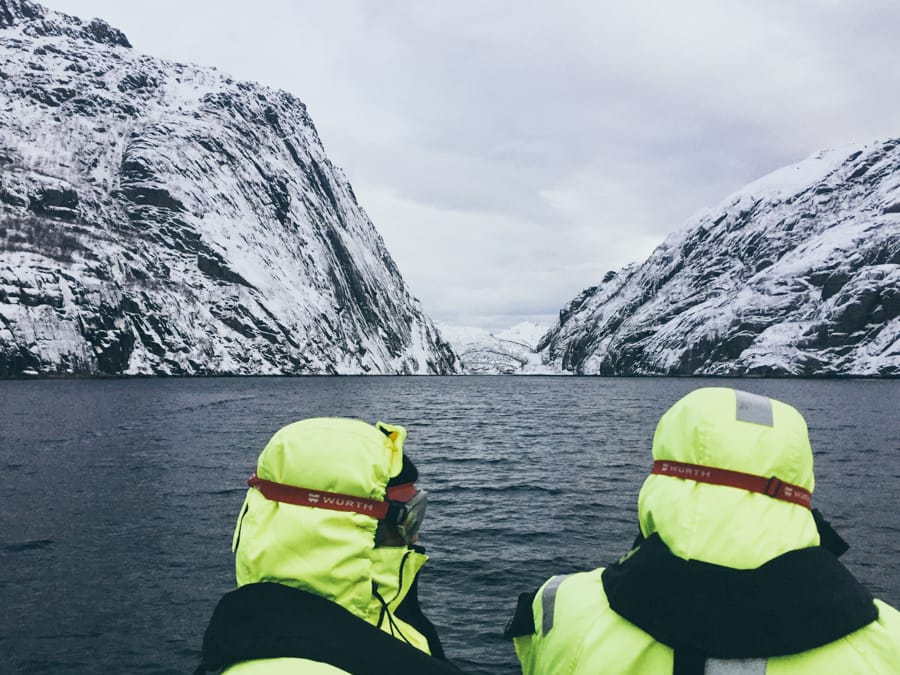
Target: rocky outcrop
[[797, 274], [159, 218], [37, 21]]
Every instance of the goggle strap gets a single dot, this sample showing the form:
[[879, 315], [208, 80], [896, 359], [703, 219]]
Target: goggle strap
[[401, 493], [334, 501], [773, 487]]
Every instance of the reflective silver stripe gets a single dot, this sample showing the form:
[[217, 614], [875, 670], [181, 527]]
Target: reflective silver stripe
[[735, 667], [548, 602], [753, 408]]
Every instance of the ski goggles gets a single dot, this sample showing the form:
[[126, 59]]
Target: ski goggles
[[409, 514], [404, 507]]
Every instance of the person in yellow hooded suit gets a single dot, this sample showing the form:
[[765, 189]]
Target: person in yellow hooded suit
[[733, 571], [326, 560]]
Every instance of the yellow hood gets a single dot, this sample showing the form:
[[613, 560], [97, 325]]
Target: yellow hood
[[329, 553], [734, 430]]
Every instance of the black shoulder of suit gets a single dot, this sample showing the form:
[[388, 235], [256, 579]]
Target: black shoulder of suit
[[795, 602], [269, 620]]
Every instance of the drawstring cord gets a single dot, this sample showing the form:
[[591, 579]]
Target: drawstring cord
[[384, 605], [385, 612]]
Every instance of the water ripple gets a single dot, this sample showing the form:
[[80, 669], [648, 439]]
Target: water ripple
[[129, 499], [29, 545]]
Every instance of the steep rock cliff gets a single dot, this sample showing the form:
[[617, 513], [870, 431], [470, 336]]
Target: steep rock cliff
[[796, 274], [160, 218]]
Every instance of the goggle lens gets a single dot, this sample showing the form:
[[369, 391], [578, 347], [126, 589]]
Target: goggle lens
[[412, 516]]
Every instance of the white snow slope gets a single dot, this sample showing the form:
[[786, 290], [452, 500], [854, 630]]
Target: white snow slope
[[508, 352]]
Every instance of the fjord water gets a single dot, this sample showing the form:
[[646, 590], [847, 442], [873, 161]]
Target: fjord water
[[120, 496]]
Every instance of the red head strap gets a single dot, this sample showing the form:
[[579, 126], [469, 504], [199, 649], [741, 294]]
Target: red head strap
[[773, 487], [335, 501]]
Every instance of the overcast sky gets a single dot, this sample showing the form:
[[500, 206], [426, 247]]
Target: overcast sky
[[511, 152]]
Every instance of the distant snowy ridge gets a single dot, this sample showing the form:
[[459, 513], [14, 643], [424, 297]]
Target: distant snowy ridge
[[508, 352], [796, 274], [160, 218]]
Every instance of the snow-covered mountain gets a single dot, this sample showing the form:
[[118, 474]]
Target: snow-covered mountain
[[509, 352], [796, 274], [157, 217]]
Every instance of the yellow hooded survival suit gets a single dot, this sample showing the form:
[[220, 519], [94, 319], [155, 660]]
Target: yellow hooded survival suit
[[726, 579], [315, 594]]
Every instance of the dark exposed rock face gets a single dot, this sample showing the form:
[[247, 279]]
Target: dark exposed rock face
[[37, 21], [158, 218], [797, 274]]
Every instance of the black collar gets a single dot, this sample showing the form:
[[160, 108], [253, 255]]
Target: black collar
[[795, 602], [268, 620]]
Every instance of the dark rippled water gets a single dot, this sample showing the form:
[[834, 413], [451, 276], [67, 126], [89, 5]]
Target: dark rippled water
[[120, 497]]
